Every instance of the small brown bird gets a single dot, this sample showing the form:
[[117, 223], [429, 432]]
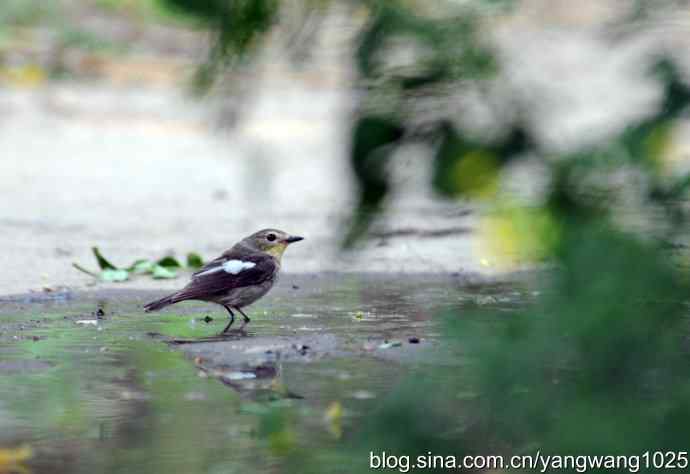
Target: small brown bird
[[237, 278]]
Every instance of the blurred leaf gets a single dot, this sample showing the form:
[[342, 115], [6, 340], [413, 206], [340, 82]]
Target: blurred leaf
[[676, 190], [334, 419], [515, 235], [141, 267], [11, 459], [469, 168], [237, 24], [114, 275], [374, 140], [372, 53], [385, 19], [84, 270], [103, 263], [276, 427], [26, 76], [161, 272], [648, 139], [194, 260], [451, 46], [169, 262], [208, 10], [676, 90]]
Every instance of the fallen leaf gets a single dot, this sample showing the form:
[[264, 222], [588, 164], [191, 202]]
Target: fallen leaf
[[194, 260], [114, 275], [162, 272], [82, 269], [169, 262], [103, 263], [141, 266]]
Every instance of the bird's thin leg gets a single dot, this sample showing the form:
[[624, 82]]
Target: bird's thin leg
[[232, 318], [246, 318]]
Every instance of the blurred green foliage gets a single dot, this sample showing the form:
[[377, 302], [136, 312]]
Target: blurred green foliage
[[374, 139], [238, 26], [23, 12], [598, 366]]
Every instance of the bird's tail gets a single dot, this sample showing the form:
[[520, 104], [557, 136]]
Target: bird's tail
[[162, 303]]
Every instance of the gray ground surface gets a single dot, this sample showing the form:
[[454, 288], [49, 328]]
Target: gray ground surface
[[142, 173]]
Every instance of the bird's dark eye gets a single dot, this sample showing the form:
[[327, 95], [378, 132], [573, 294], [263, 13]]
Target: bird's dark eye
[[271, 237]]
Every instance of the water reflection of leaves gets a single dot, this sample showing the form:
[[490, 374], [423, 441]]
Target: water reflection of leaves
[[12, 460], [334, 419]]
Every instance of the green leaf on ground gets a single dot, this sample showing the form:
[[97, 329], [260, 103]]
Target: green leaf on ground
[[141, 266], [161, 272], [194, 260], [168, 262], [114, 275], [82, 269], [167, 267], [103, 263]]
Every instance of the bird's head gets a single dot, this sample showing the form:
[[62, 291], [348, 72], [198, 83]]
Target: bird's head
[[271, 241]]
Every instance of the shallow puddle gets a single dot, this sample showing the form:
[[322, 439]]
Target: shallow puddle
[[90, 383]]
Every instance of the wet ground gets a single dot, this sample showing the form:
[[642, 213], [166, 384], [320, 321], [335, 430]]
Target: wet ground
[[90, 383]]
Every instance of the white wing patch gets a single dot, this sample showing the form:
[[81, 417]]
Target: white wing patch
[[236, 266], [231, 266]]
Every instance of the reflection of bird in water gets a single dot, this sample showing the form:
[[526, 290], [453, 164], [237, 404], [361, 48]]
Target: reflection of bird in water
[[237, 278], [262, 382]]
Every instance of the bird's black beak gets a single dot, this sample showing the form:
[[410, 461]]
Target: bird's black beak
[[293, 239]]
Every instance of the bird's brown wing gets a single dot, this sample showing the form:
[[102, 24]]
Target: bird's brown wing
[[232, 254], [238, 252], [213, 280]]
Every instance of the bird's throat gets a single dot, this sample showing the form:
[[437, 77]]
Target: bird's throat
[[277, 251]]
